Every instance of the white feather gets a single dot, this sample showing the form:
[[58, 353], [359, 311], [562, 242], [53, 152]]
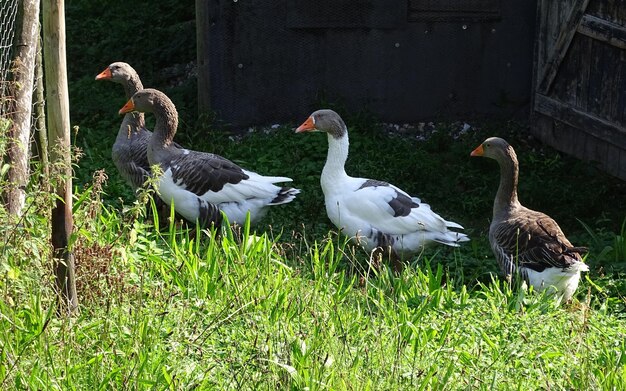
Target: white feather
[[555, 279]]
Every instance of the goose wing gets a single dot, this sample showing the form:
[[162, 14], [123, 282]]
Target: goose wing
[[390, 210], [534, 240]]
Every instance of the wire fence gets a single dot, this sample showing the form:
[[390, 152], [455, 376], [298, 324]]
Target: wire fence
[[14, 129], [8, 13]]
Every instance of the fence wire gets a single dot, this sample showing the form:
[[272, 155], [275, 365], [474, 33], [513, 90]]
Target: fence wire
[[8, 13], [9, 24]]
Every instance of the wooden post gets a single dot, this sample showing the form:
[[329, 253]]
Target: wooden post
[[26, 38], [57, 100], [202, 56], [40, 115]]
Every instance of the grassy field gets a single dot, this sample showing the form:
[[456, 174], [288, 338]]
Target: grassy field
[[288, 305]]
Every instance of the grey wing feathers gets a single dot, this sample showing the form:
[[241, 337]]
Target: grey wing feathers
[[535, 242], [131, 160], [202, 172]]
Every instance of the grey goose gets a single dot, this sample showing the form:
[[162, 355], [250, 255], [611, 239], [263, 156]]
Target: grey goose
[[525, 242], [200, 183], [130, 148]]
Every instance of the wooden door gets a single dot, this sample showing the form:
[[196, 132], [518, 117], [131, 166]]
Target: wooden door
[[579, 96]]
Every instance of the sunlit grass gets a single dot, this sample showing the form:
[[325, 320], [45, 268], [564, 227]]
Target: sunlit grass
[[182, 308]]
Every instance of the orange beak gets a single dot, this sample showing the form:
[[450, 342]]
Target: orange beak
[[128, 107], [306, 126], [106, 74], [478, 151]]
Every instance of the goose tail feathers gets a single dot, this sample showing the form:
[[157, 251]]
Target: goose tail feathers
[[285, 195]]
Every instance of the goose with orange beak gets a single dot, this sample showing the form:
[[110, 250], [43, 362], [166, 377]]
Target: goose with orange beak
[[528, 244], [202, 184], [129, 151], [374, 213]]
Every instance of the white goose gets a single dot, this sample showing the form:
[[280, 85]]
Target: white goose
[[198, 182], [526, 242], [371, 212]]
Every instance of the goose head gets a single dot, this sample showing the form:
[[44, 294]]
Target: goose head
[[494, 148], [324, 121], [119, 72], [143, 101]]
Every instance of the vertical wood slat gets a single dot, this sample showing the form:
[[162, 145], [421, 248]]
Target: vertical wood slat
[[566, 34], [203, 27], [622, 164]]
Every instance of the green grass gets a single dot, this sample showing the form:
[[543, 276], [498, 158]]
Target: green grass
[[290, 305], [182, 309]]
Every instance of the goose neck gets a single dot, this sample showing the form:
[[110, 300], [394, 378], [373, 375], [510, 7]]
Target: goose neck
[[506, 197], [136, 119], [132, 85], [334, 169], [166, 123]]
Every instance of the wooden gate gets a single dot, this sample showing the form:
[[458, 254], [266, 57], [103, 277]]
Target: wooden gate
[[579, 96]]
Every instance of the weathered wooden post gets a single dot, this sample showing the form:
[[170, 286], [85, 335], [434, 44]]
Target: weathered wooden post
[[26, 38], [58, 116]]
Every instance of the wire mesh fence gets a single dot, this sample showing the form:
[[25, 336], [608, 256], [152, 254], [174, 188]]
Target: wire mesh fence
[[22, 127], [8, 14]]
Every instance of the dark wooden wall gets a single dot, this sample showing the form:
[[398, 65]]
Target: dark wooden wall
[[404, 60], [579, 100]]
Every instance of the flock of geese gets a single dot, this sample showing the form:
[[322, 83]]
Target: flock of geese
[[203, 187]]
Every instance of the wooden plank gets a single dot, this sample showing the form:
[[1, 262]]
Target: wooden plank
[[612, 158], [603, 30], [382, 14], [572, 79], [612, 10], [562, 44], [597, 127], [453, 10], [622, 165], [203, 56], [573, 141], [596, 150], [585, 72]]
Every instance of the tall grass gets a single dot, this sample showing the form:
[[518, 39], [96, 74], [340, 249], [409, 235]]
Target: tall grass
[[181, 308]]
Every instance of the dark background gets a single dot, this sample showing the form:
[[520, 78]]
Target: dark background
[[277, 60]]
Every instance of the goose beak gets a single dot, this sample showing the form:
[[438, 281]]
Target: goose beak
[[128, 107], [478, 151], [106, 74], [307, 126]]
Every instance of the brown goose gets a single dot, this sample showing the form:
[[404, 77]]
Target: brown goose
[[129, 150], [526, 242], [372, 212], [198, 182]]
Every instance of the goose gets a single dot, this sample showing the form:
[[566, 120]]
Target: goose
[[129, 150], [201, 184], [527, 243], [373, 213]]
